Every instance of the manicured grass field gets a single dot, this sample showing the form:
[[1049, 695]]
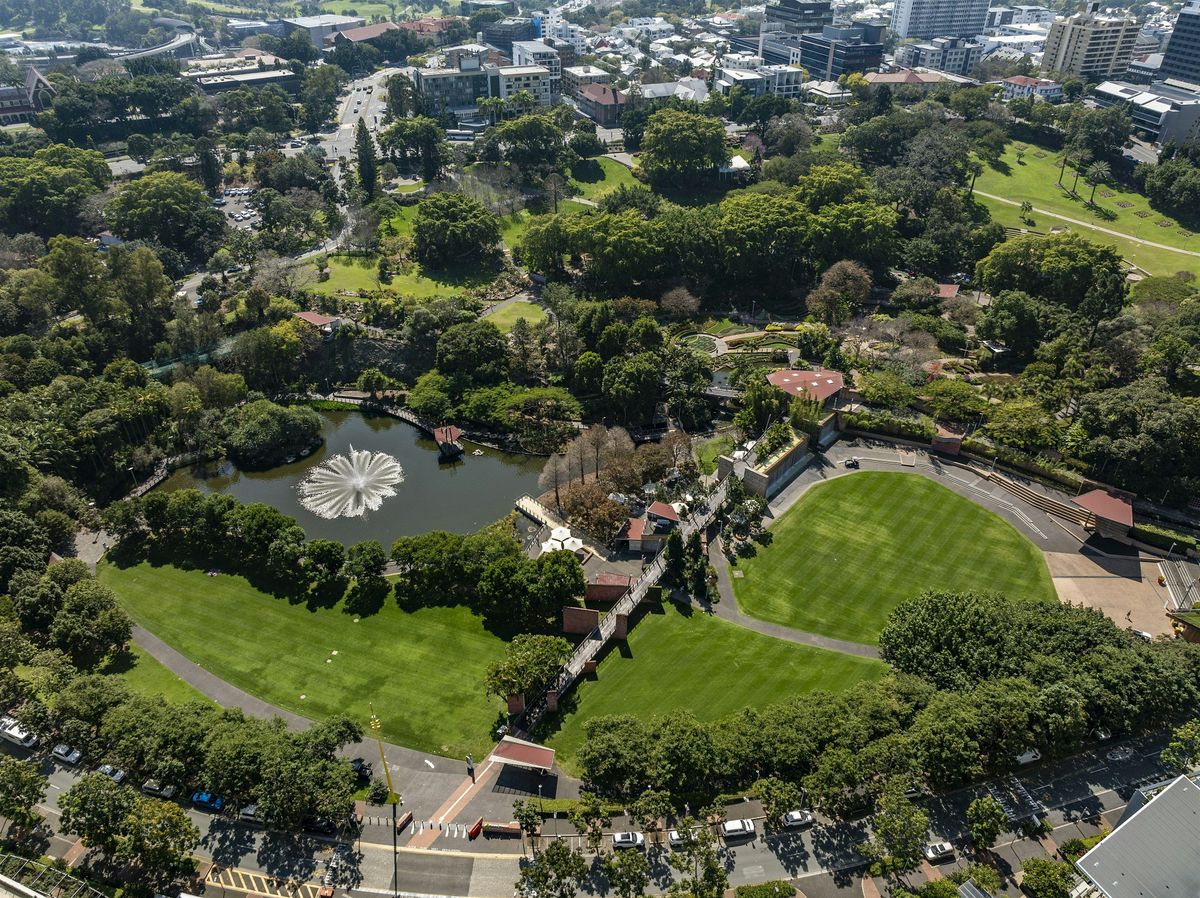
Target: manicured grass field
[[708, 452], [348, 273], [423, 670], [1035, 179], [852, 549], [595, 177], [698, 663], [512, 313], [144, 675]]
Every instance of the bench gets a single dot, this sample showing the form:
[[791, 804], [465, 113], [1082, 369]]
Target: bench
[[403, 821], [492, 828]]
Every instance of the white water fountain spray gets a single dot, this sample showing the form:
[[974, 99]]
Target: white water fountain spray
[[348, 486]]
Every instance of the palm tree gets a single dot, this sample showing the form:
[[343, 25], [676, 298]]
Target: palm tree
[[491, 107], [522, 100], [975, 169], [1097, 173], [1080, 160]]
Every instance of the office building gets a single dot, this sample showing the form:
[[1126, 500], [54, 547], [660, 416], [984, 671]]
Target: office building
[[504, 81], [939, 18], [839, 51], [320, 27], [946, 54], [576, 77], [502, 33], [1090, 45], [527, 53], [243, 28], [1167, 111], [1182, 57], [782, 24], [1019, 15]]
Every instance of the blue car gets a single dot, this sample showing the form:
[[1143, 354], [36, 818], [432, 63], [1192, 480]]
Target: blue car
[[206, 801]]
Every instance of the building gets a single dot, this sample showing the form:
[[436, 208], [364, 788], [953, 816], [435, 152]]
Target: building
[[537, 53], [693, 89], [648, 532], [820, 385], [838, 51], [1089, 45], [1152, 850], [1035, 88], [359, 35], [254, 78], [21, 103], [826, 93], [508, 7], [1167, 111], [326, 324], [243, 28], [502, 33], [946, 54], [319, 27], [784, 21], [785, 81], [504, 81], [754, 84], [1182, 57], [1019, 15], [576, 77], [939, 18], [432, 27], [601, 104], [456, 86], [1145, 69], [922, 81]]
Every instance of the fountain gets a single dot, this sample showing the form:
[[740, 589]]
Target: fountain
[[348, 486]]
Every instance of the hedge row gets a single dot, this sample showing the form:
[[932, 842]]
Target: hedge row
[[1163, 537]]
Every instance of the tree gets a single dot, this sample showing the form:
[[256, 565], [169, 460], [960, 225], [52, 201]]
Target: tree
[[651, 808], [1045, 878], [673, 570], [589, 818], [1016, 320], [158, 837], [476, 349], [987, 820], [529, 817], [679, 146], [368, 163], [529, 661], [22, 786], [887, 389], [628, 873], [1183, 750], [555, 873], [452, 228], [96, 809], [1061, 268], [696, 860], [90, 623], [778, 797], [1097, 173], [954, 400], [167, 208], [899, 831], [372, 380]]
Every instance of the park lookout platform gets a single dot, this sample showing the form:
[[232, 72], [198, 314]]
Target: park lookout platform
[[449, 447]]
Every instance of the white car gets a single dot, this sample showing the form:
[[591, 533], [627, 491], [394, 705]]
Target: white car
[[17, 734], [675, 838], [1124, 753], [798, 819], [737, 829], [1029, 757], [628, 840], [936, 852]]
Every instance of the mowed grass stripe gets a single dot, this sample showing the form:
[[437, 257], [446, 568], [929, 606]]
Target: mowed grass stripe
[[852, 549], [702, 664], [423, 670]]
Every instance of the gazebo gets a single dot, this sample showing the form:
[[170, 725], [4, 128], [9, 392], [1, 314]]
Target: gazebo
[[519, 753], [1112, 510]]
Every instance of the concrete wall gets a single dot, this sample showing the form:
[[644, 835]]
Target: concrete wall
[[768, 481]]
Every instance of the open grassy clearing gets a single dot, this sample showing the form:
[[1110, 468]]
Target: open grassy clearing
[[852, 549], [422, 669], [146, 676], [708, 451], [514, 312], [514, 226], [350, 273], [595, 177], [1035, 179], [678, 660]]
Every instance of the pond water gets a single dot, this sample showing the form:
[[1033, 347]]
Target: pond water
[[460, 497]]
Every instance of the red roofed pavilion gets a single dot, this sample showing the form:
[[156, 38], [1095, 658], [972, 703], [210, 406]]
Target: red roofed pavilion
[[1113, 510], [520, 753], [816, 385]]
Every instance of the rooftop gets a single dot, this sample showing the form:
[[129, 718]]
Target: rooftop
[[601, 94], [817, 385], [1152, 853], [663, 510], [366, 32], [1112, 506], [324, 20], [316, 318]]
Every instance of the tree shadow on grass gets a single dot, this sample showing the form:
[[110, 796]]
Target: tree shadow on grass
[[587, 171], [1000, 167]]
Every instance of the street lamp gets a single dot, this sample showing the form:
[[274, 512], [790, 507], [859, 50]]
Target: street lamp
[[377, 728]]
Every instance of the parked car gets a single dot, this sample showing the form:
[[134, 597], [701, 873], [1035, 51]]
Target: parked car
[[628, 840], [116, 774], [1124, 753], [17, 734], [249, 813], [1029, 757], [1101, 734], [852, 462], [158, 790], [675, 838], [362, 768], [798, 819], [321, 826], [67, 755], [937, 852], [737, 829], [206, 801]]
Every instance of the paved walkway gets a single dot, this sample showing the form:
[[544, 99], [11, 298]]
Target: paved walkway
[[1094, 227]]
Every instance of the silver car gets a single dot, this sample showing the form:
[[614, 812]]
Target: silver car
[[628, 840]]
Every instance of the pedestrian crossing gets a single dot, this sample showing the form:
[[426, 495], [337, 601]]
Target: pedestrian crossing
[[251, 883]]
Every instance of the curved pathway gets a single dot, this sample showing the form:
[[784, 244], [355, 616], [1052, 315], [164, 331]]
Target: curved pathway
[[1094, 227]]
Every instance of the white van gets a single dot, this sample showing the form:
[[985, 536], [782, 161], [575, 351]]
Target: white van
[[17, 734]]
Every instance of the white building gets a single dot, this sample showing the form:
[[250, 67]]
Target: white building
[[535, 53], [946, 54], [939, 18], [1035, 88], [320, 27], [504, 81], [1168, 111], [576, 77], [1088, 44]]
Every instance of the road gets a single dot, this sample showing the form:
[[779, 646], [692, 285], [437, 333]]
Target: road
[[1075, 792], [1094, 227]]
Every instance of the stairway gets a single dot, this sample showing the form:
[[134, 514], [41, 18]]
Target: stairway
[[1181, 579], [1071, 513]]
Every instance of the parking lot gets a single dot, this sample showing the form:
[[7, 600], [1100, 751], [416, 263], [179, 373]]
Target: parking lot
[[239, 207]]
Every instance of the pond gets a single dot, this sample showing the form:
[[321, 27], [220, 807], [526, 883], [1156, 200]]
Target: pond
[[460, 497]]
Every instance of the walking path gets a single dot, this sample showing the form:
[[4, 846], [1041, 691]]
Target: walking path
[[1094, 227]]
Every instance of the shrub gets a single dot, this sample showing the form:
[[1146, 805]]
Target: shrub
[[1163, 537], [774, 889]]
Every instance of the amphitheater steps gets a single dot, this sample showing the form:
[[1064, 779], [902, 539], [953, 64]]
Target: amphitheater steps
[[1038, 500]]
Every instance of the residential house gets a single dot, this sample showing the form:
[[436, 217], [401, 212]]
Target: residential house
[[648, 532], [1036, 88], [602, 104]]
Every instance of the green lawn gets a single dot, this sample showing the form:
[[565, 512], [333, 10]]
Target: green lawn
[[595, 177], [513, 312], [514, 226], [852, 549], [708, 452], [349, 273], [1035, 179], [423, 670], [143, 674], [698, 663]]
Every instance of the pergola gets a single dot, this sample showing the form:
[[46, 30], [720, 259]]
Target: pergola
[[1113, 511], [519, 753]]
